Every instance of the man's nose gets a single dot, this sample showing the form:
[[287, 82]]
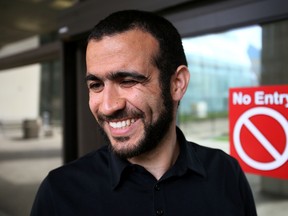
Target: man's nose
[[112, 101]]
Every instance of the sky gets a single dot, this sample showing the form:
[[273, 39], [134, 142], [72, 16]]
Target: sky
[[229, 46]]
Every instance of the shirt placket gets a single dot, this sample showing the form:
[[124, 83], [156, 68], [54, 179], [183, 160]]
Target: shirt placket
[[159, 206]]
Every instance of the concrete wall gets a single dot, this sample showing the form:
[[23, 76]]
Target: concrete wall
[[19, 93], [275, 71], [19, 87], [19, 46]]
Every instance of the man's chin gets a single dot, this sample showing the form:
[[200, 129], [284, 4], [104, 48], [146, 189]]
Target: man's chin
[[121, 139], [119, 145], [125, 150], [123, 153]]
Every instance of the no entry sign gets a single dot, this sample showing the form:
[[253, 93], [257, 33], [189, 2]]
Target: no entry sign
[[259, 129]]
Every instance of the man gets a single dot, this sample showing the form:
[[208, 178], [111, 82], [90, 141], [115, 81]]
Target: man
[[137, 74]]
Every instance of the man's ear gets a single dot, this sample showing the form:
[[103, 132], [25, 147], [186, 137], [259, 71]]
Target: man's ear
[[179, 82]]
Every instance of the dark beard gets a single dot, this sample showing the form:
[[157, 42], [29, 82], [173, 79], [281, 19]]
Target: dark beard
[[153, 134]]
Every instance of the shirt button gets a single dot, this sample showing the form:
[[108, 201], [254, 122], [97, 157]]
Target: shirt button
[[157, 187], [159, 212]]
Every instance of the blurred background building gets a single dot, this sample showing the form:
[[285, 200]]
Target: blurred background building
[[42, 68]]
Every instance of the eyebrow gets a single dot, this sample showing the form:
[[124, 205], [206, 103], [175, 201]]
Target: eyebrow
[[118, 75], [90, 77], [125, 74]]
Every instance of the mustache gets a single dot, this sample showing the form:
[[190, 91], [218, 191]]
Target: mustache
[[120, 114]]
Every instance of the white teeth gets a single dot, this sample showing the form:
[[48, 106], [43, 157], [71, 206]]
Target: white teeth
[[122, 124], [113, 124], [118, 124]]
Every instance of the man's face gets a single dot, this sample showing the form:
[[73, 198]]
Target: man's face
[[125, 94]]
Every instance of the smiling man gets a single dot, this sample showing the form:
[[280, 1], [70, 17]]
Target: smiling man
[[136, 75], [127, 100]]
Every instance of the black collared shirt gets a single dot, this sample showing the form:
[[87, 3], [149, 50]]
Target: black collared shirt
[[203, 181]]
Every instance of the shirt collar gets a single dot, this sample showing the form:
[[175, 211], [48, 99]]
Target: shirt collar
[[117, 168], [187, 159]]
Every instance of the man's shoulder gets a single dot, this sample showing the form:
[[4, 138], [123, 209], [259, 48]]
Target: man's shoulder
[[212, 156], [94, 162], [207, 150], [78, 179]]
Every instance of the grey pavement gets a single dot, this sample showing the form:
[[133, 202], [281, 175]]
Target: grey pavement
[[24, 164]]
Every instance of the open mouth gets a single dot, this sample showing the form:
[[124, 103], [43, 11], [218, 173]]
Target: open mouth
[[122, 124]]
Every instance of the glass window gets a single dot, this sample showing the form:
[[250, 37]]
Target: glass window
[[250, 56]]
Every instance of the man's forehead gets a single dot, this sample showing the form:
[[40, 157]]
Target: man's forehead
[[121, 51], [133, 37]]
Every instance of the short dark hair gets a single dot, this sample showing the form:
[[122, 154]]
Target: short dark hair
[[171, 53]]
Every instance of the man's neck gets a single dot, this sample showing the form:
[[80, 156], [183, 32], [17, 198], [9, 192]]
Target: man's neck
[[158, 161]]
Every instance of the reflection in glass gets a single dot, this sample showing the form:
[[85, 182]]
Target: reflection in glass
[[216, 63]]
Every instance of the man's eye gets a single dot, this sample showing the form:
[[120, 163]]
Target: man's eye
[[95, 86], [128, 83]]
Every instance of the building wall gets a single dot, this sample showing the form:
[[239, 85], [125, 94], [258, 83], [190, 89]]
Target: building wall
[[19, 87]]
